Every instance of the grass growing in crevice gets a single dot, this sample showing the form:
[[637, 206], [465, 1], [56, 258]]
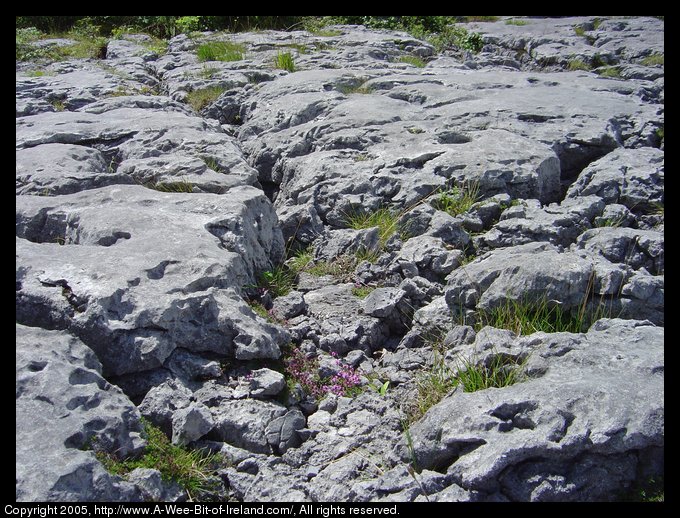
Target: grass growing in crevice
[[278, 281], [501, 372], [284, 61], [525, 316], [435, 383], [354, 89], [458, 199], [385, 219], [199, 99], [653, 60], [413, 60], [191, 469], [220, 51], [181, 186]]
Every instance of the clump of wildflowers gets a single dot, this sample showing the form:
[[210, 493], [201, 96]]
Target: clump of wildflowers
[[305, 371]]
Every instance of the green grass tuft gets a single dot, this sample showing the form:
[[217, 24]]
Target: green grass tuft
[[524, 317], [519, 23], [413, 60], [362, 291], [284, 61], [653, 60], [278, 281], [501, 372], [181, 186], [199, 99], [191, 469], [220, 51], [457, 200], [385, 219], [578, 64]]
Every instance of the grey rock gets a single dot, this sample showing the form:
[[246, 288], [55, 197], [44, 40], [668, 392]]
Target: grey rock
[[161, 402], [188, 366], [513, 274], [62, 169], [573, 413], [65, 410], [340, 325], [282, 431], [191, 423], [154, 488], [144, 284], [558, 224], [430, 255], [633, 178], [289, 306], [382, 302], [633, 247], [266, 382], [243, 423]]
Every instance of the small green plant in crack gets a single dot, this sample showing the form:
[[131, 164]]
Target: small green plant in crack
[[458, 199], [385, 219], [362, 88], [208, 72], [284, 61], [181, 186], [526, 316], [578, 64], [652, 60], [199, 99], [58, 105], [362, 291], [341, 267], [413, 60], [500, 372], [212, 163], [519, 23], [278, 281], [301, 259], [414, 130], [610, 72], [220, 51], [191, 469]]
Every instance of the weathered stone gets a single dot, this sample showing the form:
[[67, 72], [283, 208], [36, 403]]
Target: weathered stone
[[243, 422], [594, 426], [266, 382], [191, 423], [65, 411]]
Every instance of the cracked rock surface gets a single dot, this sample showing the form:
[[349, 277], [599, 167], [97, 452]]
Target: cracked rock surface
[[145, 228]]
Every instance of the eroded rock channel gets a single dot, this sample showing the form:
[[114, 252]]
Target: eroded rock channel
[[300, 271]]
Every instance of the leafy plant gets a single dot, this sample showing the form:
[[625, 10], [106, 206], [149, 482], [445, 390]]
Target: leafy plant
[[381, 388], [191, 469], [284, 61]]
